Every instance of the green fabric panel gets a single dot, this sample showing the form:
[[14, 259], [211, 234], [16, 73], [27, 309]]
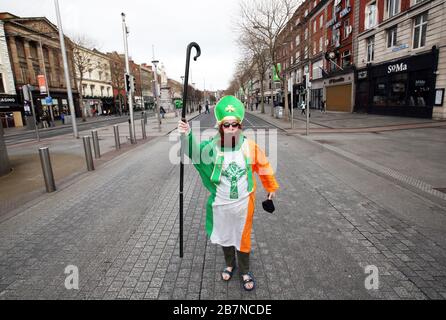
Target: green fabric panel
[[210, 214]]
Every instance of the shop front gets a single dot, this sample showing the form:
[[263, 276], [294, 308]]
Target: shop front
[[10, 111], [339, 92], [403, 87]]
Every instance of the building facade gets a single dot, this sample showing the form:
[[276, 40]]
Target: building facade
[[401, 61], [10, 110], [93, 76], [338, 83], [34, 52]]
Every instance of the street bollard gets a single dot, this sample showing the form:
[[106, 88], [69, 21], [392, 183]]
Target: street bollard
[[143, 129], [145, 117], [47, 169], [131, 134], [97, 151], [88, 155], [117, 141]]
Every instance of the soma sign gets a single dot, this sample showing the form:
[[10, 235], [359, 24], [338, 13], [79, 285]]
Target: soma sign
[[398, 67]]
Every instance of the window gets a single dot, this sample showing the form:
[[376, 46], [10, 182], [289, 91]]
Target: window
[[346, 58], [92, 89], [314, 4], [314, 26], [306, 52], [89, 73], [392, 37], [20, 47], [314, 48], [419, 31], [346, 28], [370, 48], [100, 75], [297, 40], [306, 33], [317, 69], [102, 91], [370, 15], [297, 57], [321, 21], [320, 44], [392, 7], [347, 3]]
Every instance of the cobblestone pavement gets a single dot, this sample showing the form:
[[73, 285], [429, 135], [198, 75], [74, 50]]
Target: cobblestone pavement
[[119, 226]]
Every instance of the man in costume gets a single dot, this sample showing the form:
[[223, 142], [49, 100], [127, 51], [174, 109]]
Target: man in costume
[[226, 164]]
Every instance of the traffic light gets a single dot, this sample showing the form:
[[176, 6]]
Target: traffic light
[[129, 83]]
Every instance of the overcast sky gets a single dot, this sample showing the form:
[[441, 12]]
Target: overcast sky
[[169, 25]]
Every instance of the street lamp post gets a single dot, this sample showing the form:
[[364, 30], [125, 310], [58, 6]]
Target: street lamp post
[[127, 69], [66, 71], [155, 63]]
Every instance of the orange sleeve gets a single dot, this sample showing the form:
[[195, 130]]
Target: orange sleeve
[[263, 168]]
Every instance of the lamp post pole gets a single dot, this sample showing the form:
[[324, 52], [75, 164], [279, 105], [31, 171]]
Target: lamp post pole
[[155, 63], [66, 71], [127, 69]]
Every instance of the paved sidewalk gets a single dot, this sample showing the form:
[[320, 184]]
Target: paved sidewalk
[[341, 122], [25, 182]]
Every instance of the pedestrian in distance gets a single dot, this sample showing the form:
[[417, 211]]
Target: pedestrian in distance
[[226, 164], [207, 107], [162, 111]]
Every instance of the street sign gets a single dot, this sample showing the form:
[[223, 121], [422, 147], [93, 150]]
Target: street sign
[[42, 83], [49, 101]]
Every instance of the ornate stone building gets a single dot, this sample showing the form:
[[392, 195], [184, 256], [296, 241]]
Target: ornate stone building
[[34, 49]]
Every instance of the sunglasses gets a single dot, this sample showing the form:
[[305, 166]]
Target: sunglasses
[[234, 125]]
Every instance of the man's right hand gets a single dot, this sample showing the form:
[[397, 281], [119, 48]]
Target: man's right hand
[[183, 127]]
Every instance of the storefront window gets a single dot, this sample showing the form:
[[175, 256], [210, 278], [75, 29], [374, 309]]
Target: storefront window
[[419, 89], [379, 96], [397, 92]]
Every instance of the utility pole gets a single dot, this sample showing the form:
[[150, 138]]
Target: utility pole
[[66, 71], [292, 100], [130, 92], [157, 110]]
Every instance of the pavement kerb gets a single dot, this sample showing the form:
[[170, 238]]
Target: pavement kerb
[[409, 183], [78, 177]]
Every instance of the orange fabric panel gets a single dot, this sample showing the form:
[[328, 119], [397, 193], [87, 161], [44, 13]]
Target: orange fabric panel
[[245, 245], [263, 168]]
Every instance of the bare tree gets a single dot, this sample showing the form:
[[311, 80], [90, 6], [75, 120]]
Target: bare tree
[[83, 63], [255, 50], [266, 19]]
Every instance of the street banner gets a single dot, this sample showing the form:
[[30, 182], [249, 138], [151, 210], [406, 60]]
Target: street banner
[[42, 83], [276, 72]]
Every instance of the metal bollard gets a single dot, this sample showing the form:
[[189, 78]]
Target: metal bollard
[[145, 117], [117, 141], [97, 150], [47, 169], [131, 134], [143, 129], [88, 155]]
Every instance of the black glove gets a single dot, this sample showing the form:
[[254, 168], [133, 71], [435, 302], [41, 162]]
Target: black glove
[[268, 205]]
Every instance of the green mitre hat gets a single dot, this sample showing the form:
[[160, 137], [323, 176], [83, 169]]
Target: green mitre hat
[[229, 108]]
